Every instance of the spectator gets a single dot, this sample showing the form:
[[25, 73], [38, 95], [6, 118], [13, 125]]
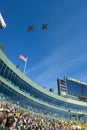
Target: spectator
[[3, 119], [11, 123]]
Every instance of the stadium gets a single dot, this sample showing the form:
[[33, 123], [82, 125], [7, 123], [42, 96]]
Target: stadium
[[17, 89]]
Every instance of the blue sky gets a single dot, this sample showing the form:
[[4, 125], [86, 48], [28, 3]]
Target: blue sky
[[57, 52]]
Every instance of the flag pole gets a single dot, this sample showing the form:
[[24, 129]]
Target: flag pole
[[25, 66]]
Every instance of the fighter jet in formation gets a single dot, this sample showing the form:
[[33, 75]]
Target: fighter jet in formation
[[2, 22], [30, 28], [44, 26]]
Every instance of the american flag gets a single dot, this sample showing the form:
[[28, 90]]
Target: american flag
[[23, 57]]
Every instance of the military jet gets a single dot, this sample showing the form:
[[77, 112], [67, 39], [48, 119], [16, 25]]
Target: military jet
[[30, 28], [2, 22], [44, 26]]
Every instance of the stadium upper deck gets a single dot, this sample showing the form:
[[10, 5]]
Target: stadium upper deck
[[22, 91]]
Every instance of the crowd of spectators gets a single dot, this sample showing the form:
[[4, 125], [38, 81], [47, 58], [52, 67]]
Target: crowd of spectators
[[16, 118]]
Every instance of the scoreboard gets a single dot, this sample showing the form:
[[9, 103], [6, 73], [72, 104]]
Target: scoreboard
[[75, 86], [62, 87], [70, 86]]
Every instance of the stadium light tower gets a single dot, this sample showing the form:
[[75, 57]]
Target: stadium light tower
[[2, 22]]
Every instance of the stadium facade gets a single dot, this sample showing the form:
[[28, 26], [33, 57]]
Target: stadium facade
[[20, 90]]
